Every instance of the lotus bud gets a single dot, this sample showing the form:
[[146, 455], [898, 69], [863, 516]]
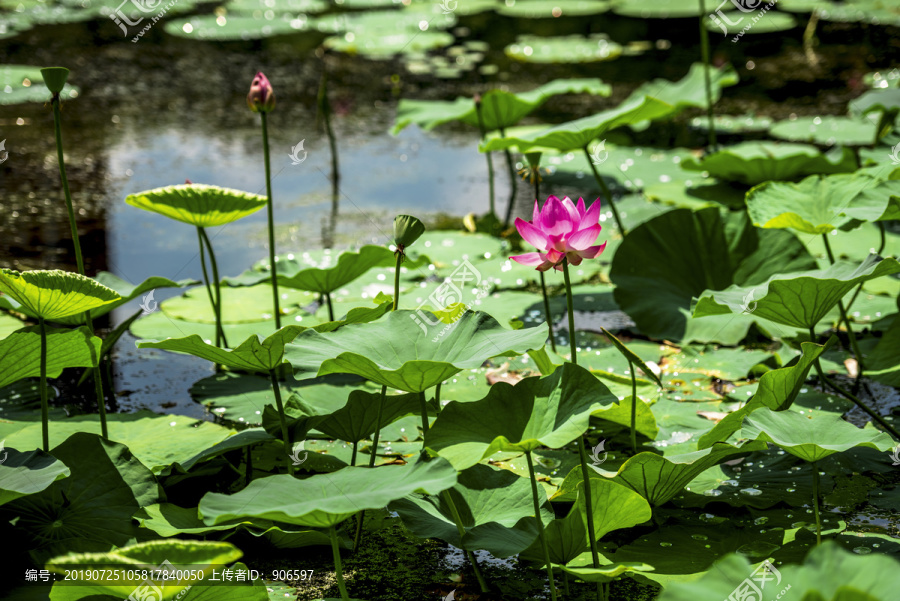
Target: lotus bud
[[407, 230], [55, 78], [261, 98]]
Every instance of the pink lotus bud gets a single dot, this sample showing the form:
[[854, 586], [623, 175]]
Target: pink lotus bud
[[261, 98]]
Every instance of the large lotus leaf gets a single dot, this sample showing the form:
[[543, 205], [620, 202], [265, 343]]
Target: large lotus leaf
[[198, 204], [777, 390], [236, 27], [811, 437], [91, 509], [799, 300], [564, 49], [827, 131], [23, 474], [820, 204], [8, 323], [828, 573], [689, 91], [384, 45], [553, 9], [327, 499], [141, 432], [244, 304], [20, 352], [357, 420], [774, 21], [547, 411], [664, 263], [658, 478], [54, 294], [495, 507], [241, 440], [882, 364], [398, 352], [632, 358], [644, 420], [657, 9], [753, 163], [167, 519], [198, 557], [575, 135], [499, 108], [607, 572], [254, 354]]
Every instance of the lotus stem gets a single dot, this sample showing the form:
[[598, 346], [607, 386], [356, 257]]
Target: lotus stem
[[707, 83], [338, 570], [285, 435], [45, 405], [396, 305], [448, 499], [605, 586], [851, 397], [209, 292], [815, 469], [325, 110], [377, 426], [850, 333], [540, 525], [79, 259], [330, 307], [248, 464], [809, 39], [537, 196], [634, 400], [353, 455], [271, 217], [487, 154], [359, 524], [424, 406], [216, 285], [512, 182], [606, 193], [566, 583], [582, 453], [880, 250]]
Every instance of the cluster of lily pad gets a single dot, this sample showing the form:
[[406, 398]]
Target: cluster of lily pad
[[380, 376]]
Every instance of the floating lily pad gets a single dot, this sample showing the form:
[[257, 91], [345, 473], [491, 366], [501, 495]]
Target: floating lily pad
[[225, 28], [539, 411], [245, 304], [158, 325], [251, 7], [689, 90], [22, 83], [198, 204], [767, 23], [564, 49], [327, 499], [734, 124], [20, 352], [752, 163], [657, 9], [553, 9], [827, 131], [382, 46]]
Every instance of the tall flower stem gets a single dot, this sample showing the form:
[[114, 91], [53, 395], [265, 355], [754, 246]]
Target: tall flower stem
[[285, 435], [707, 83], [330, 307], [325, 110], [206, 281], [338, 570], [462, 532], [634, 401], [540, 525], [397, 281], [815, 469], [79, 259], [582, 452], [850, 333], [537, 195], [849, 396], [487, 154], [45, 404], [513, 183], [271, 217], [381, 400], [424, 405], [606, 193], [216, 285]]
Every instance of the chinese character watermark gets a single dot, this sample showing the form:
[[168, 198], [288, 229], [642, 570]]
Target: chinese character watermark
[[465, 281], [720, 19], [751, 589]]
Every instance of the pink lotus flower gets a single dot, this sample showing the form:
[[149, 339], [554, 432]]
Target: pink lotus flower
[[561, 230], [261, 98]]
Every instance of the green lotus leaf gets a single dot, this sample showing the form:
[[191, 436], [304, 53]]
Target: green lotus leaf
[[358, 419], [821, 204], [399, 352], [799, 299], [564, 49], [575, 135], [828, 572], [644, 422], [553, 9], [167, 519], [632, 358], [883, 100], [777, 390], [242, 304], [324, 500], [253, 354], [667, 261], [805, 436], [349, 266], [689, 91], [22, 83], [752, 163], [773, 21], [54, 294], [239, 26], [495, 507], [240, 440], [141, 432], [499, 108], [20, 352], [657, 9], [882, 364], [91, 510], [827, 131], [201, 205], [658, 478], [251, 7], [384, 45], [201, 557], [547, 411], [23, 474]]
